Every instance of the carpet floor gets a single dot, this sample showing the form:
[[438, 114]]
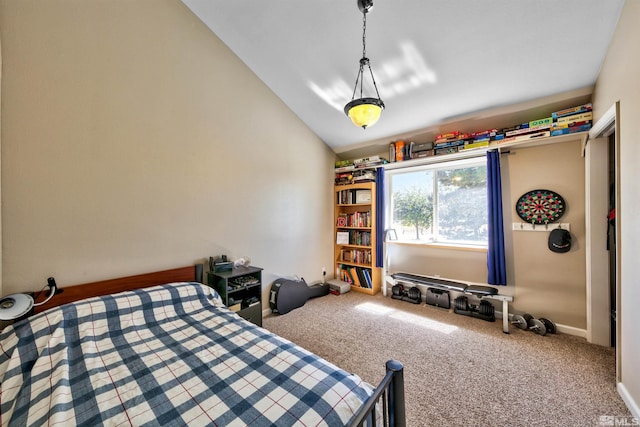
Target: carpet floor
[[458, 370]]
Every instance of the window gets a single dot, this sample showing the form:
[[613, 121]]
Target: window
[[443, 203]]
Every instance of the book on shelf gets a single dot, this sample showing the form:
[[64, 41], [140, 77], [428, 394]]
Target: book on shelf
[[363, 279], [360, 238], [355, 276], [342, 238], [367, 276], [358, 256], [359, 219]]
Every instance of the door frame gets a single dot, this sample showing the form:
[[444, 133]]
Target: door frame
[[596, 203]]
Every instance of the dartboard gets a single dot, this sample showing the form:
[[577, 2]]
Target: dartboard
[[540, 206]]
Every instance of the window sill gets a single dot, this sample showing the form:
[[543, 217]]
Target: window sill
[[449, 246]]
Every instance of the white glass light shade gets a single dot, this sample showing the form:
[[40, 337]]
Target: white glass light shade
[[364, 112]]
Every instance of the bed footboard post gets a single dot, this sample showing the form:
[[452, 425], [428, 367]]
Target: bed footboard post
[[396, 394]]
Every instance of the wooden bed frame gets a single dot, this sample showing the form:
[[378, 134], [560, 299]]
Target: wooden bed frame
[[389, 393], [64, 295]]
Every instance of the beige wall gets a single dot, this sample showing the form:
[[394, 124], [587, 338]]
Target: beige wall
[[133, 140], [1, 289], [446, 262], [544, 283], [619, 81]]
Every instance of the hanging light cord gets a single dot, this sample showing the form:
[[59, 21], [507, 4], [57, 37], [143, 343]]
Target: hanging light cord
[[364, 35], [364, 61]]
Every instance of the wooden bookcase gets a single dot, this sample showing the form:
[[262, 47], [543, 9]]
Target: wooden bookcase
[[355, 237]]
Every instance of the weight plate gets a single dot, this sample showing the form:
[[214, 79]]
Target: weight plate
[[461, 303], [549, 325], [538, 327], [486, 308], [519, 321], [529, 319]]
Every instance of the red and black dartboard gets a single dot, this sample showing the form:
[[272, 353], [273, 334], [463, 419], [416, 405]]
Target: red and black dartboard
[[540, 207]]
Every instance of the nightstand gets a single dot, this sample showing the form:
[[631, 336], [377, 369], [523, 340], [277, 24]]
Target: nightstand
[[240, 290]]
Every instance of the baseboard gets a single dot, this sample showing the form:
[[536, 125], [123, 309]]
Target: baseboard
[[628, 400], [564, 329], [570, 330]]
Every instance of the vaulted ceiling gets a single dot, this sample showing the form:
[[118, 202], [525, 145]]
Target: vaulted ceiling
[[434, 61]]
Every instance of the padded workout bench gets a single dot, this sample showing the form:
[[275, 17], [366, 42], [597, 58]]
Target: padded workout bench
[[450, 285]]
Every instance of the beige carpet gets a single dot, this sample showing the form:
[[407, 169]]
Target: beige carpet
[[460, 371]]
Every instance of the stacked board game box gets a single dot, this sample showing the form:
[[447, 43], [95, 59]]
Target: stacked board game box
[[571, 120], [420, 150], [450, 142], [529, 130], [479, 139], [403, 150]]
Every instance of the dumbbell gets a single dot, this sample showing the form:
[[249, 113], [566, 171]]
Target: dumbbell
[[549, 325], [539, 326]]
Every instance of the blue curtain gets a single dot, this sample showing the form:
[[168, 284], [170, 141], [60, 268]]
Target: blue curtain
[[379, 217], [495, 254]]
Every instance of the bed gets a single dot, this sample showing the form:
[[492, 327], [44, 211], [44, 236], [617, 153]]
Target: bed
[[161, 349]]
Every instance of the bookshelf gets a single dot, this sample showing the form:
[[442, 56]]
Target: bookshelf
[[355, 237]]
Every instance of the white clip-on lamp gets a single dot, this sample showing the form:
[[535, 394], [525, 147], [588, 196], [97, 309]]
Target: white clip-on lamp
[[15, 306]]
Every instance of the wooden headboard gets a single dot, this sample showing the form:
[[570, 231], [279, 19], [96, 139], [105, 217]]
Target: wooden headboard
[[66, 294]]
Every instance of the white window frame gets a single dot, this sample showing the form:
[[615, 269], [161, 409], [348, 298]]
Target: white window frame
[[436, 166]]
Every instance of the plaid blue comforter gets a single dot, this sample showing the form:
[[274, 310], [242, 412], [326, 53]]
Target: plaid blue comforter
[[163, 356]]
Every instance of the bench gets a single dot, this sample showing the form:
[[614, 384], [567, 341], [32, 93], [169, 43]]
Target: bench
[[478, 291]]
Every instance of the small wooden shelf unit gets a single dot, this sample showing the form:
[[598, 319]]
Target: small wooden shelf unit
[[240, 290], [356, 259]]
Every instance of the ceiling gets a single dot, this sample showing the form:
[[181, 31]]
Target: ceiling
[[435, 61]]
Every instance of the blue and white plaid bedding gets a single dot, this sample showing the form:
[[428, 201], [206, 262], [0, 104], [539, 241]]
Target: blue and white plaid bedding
[[167, 355]]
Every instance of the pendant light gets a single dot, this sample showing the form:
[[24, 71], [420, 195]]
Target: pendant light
[[364, 111]]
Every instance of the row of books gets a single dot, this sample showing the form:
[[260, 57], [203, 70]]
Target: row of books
[[358, 256], [356, 219], [353, 237], [352, 197], [356, 276]]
